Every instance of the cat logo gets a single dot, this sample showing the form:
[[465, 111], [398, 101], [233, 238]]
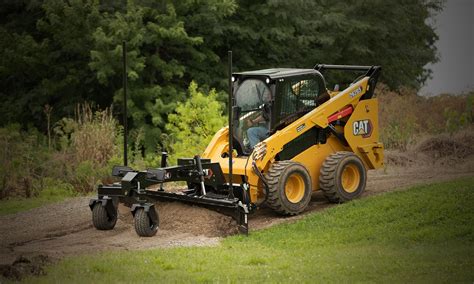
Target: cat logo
[[362, 127]]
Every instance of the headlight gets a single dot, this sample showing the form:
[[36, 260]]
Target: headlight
[[259, 151]]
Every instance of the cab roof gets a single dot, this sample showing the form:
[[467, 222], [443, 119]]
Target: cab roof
[[276, 73]]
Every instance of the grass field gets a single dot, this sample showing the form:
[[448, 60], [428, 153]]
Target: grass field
[[425, 234]]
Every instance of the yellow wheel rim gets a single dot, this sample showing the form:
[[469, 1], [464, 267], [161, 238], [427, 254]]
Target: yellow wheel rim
[[294, 188], [350, 178]]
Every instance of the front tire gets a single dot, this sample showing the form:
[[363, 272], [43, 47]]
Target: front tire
[[342, 177], [289, 187]]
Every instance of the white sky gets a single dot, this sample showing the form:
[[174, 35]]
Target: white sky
[[454, 73]]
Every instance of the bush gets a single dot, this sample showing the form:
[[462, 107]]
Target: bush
[[194, 124]]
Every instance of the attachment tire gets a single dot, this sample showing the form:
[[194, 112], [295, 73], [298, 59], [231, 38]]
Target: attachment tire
[[343, 177], [289, 185], [143, 224], [100, 218]]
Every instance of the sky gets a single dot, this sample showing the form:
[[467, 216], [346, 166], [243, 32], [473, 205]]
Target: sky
[[454, 73]]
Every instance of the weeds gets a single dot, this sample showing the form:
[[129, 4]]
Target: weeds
[[79, 154]]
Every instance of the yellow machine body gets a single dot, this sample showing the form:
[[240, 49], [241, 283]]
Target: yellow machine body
[[360, 132]]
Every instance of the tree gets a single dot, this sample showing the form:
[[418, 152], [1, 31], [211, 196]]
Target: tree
[[48, 64], [394, 34], [194, 123], [62, 53], [163, 58]]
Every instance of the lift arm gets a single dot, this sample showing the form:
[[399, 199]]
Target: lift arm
[[320, 116]]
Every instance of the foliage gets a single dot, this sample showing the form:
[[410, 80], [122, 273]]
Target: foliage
[[194, 124], [61, 53], [80, 158], [405, 116], [46, 60], [303, 33], [424, 234], [88, 146], [94, 138], [162, 58], [21, 161]]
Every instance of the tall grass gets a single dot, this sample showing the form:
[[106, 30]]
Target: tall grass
[[94, 139]]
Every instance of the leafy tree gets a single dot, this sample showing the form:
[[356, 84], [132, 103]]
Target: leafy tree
[[162, 58], [61, 53], [48, 65], [194, 123], [393, 34]]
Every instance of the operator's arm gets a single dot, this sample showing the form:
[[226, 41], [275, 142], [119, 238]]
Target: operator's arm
[[258, 119]]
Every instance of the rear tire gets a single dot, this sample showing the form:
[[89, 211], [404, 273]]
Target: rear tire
[[101, 219], [342, 177], [143, 225], [289, 187]]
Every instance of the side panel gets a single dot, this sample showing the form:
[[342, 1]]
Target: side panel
[[218, 145], [314, 157], [362, 133]]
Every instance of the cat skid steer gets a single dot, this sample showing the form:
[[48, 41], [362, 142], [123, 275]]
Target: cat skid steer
[[307, 138]]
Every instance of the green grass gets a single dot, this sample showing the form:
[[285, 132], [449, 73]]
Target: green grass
[[54, 191], [425, 234]]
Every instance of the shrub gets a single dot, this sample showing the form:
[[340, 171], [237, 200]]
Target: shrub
[[194, 124]]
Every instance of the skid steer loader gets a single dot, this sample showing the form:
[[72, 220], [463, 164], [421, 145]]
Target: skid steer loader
[[288, 136]]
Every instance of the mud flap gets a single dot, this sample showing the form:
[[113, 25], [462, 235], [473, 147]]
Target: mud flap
[[107, 203], [149, 209]]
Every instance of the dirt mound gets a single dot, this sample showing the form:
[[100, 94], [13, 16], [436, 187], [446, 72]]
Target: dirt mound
[[185, 218], [458, 146], [24, 266], [195, 220], [442, 149]]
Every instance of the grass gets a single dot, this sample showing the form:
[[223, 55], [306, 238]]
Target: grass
[[425, 234], [54, 191]]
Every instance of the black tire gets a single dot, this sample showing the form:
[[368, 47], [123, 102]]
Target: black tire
[[101, 219], [331, 177], [143, 224], [282, 199]]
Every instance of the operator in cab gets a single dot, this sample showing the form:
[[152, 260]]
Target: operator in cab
[[258, 127]]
